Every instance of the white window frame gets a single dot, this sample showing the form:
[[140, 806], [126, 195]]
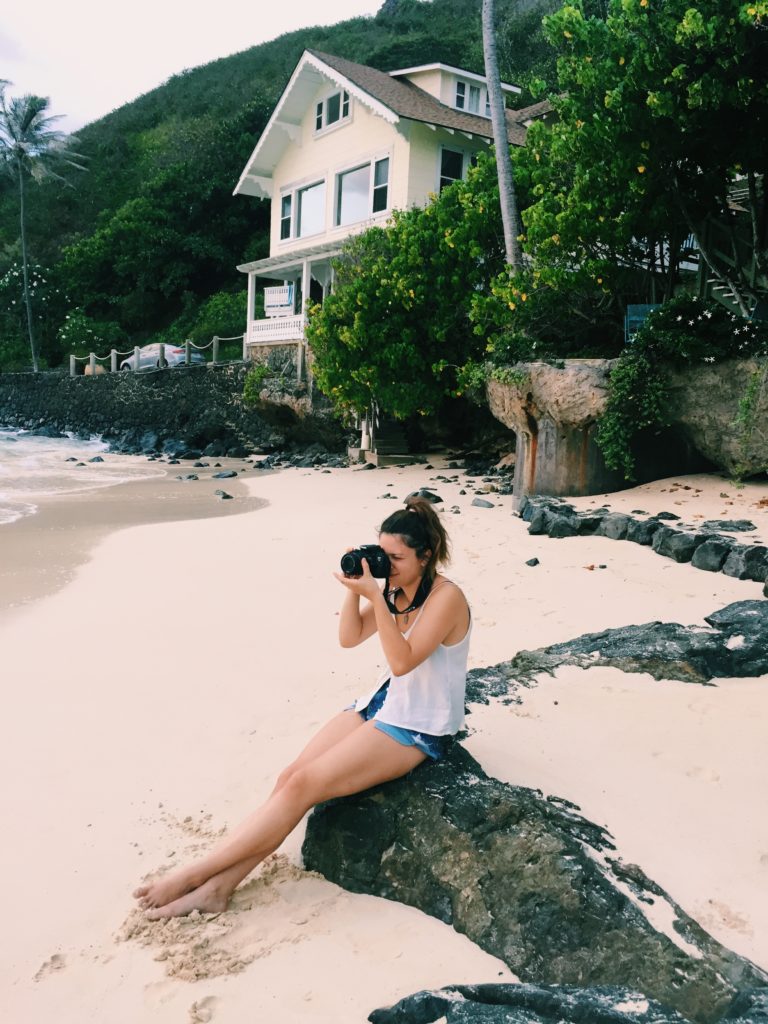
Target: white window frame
[[465, 160], [321, 111], [462, 92], [357, 165], [293, 192]]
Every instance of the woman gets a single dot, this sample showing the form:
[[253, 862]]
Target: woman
[[423, 623]]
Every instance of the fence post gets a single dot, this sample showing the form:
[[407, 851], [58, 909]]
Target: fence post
[[161, 355], [215, 352], [245, 346], [113, 361], [73, 366], [92, 363], [187, 352], [136, 356]]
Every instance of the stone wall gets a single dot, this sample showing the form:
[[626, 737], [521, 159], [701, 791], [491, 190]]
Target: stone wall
[[198, 404]]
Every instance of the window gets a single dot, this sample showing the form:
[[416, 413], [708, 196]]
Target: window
[[286, 204], [358, 196], [331, 110], [451, 167], [380, 185], [310, 209], [474, 99], [461, 95]]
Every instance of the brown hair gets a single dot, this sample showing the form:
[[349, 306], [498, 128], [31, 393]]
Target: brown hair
[[421, 529]]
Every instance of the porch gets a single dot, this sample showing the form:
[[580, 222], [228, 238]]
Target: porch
[[306, 277]]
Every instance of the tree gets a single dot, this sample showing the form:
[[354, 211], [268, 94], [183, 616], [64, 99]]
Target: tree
[[396, 329], [663, 110], [507, 195], [29, 146]]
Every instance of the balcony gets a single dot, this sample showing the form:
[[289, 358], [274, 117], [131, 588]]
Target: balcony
[[278, 302], [276, 330]]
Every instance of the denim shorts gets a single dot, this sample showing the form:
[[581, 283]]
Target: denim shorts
[[435, 747]]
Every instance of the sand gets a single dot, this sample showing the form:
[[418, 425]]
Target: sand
[[153, 697]]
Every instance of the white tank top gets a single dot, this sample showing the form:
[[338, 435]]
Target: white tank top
[[429, 698]]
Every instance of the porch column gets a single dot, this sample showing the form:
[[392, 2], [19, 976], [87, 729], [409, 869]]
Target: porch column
[[306, 277], [250, 309]]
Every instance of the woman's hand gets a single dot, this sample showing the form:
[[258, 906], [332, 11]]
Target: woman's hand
[[364, 586]]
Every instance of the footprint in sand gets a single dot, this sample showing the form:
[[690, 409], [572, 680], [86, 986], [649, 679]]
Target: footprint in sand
[[53, 963], [201, 1012]]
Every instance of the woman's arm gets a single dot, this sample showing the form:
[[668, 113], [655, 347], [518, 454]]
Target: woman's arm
[[355, 626], [446, 612]]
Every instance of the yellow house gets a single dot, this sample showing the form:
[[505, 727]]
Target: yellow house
[[345, 145]]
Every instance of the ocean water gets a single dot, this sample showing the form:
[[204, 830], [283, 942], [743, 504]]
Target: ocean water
[[33, 468]]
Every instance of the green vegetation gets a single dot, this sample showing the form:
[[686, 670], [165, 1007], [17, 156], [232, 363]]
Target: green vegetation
[[682, 332], [396, 329], [152, 231], [254, 382]]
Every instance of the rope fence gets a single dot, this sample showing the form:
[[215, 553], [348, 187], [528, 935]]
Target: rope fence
[[152, 360]]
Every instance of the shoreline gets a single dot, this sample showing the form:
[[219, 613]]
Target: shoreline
[[41, 552], [136, 750]]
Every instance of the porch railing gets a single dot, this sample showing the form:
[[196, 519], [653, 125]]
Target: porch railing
[[284, 328], [278, 301]]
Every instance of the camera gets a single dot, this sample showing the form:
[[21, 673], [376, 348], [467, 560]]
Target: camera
[[376, 557]]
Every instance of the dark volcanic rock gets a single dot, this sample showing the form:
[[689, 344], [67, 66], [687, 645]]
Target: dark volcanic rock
[[643, 531], [525, 1004], [711, 555], [225, 474], [736, 646], [676, 544], [614, 526], [527, 879], [745, 563], [729, 525]]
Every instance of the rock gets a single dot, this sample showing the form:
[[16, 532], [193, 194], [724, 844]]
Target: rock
[[614, 526], [226, 474], [533, 561], [559, 526], [526, 1004], [642, 531], [188, 476], [729, 525], [96, 458], [745, 563], [482, 503], [675, 544], [711, 555], [214, 450], [190, 455], [666, 516], [200, 465], [71, 458], [426, 492], [222, 495], [736, 646], [238, 451], [525, 878]]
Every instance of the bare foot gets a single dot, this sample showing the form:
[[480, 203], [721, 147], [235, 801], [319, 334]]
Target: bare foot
[[207, 898], [165, 889]]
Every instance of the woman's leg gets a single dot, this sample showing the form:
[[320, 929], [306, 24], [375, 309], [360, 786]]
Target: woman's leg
[[365, 757], [213, 895]]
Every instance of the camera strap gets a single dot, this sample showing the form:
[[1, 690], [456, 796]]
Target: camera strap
[[421, 595]]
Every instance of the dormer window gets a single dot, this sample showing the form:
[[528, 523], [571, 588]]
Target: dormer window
[[471, 97], [331, 110]]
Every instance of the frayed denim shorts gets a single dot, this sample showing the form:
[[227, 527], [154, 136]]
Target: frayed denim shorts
[[435, 747]]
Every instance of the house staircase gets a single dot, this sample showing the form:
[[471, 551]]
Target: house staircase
[[730, 246]]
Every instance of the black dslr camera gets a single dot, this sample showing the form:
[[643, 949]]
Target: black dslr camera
[[376, 557]]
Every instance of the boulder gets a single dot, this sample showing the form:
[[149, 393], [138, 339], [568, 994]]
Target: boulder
[[675, 544], [527, 879], [614, 526], [747, 563], [711, 555]]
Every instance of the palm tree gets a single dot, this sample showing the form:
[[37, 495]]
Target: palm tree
[[507, 194], [30, 146]]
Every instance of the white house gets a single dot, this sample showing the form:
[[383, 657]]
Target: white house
[[345, 145]]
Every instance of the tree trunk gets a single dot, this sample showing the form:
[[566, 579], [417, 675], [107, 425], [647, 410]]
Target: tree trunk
[[507, 195], [25, 271]]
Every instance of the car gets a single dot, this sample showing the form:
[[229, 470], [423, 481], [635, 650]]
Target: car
[[174, 355]]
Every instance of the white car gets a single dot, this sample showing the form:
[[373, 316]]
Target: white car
[[149, 357]]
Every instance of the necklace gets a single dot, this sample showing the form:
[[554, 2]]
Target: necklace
[[422, 592]]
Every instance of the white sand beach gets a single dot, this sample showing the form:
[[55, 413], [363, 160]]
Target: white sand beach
[[152, 698]]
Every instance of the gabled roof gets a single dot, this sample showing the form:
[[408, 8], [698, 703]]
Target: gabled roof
[[518, 121], [391, 98]]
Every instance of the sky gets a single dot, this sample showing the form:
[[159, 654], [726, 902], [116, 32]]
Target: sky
[[92, 56]]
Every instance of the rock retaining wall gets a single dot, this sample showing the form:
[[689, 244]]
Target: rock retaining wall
[[197, 404]]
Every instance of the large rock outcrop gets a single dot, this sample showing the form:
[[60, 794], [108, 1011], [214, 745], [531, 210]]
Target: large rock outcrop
[[529, 880], [554, 411], [534, 1004]]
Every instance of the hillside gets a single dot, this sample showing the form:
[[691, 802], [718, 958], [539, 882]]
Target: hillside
[[151, 231]]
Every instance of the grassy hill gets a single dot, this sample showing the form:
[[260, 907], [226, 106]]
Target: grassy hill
[[148, 239]]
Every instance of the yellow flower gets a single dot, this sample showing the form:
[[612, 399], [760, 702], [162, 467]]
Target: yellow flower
[[641, 168], [568, 35], [621, 60], [643, 3], [511, 305], [599, 280]]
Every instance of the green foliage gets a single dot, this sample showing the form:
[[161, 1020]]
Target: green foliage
[[661, 107], [48, 305], [682, 332], [396, 329], [254, 382], [746, 418], [80, 335]]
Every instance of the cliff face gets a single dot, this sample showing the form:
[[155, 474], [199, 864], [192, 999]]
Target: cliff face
[[554, 411]]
